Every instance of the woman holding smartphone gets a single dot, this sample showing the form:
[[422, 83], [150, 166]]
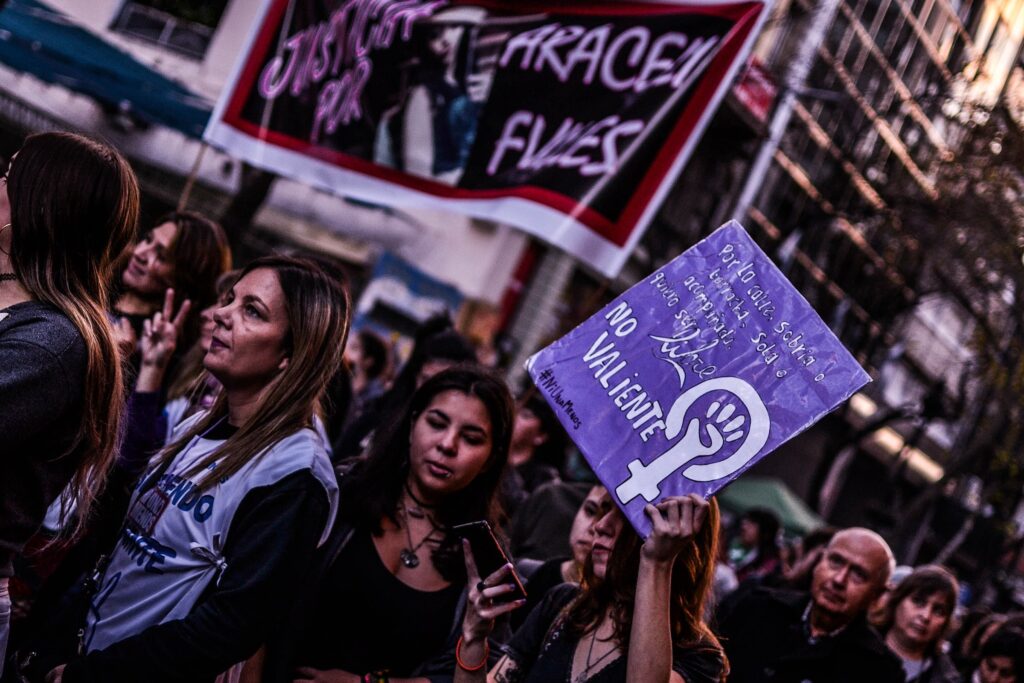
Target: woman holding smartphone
[[390, 594], [637, 618]]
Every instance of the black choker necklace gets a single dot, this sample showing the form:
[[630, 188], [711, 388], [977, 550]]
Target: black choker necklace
[[8, 277], [417, 510]]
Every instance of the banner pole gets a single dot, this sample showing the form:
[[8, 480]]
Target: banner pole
[[191, 180]]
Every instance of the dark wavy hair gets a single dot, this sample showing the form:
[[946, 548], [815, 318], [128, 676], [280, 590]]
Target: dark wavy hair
[[374, 487], [921, 584], [1006, 642], [692, 576]]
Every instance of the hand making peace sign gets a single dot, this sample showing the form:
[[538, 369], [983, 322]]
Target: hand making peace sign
[[160, 333]]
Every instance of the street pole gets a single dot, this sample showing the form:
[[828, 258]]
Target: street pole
[[191, 180], [793, 82]]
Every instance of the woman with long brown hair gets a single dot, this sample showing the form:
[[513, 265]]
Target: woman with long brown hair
[[637, 618], [184, 252], [393, 582], [68, 209], [222, 525]]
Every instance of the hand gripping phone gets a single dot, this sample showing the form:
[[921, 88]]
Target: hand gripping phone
[[489, 555]]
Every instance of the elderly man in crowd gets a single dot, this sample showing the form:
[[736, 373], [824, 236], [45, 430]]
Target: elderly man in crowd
[[785, 636]]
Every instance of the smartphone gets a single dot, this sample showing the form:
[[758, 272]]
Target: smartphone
[[489, 555]]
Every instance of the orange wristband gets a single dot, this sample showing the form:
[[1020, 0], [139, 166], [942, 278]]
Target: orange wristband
[[462, 664]]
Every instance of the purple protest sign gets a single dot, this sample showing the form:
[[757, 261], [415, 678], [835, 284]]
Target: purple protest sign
[[694, 374]]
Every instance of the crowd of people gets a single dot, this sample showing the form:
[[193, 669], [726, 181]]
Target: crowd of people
[[206, 478]]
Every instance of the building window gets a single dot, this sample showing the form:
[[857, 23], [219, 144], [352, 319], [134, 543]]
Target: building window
[[182, 26]]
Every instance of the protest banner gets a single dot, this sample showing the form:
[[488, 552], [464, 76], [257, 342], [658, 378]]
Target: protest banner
[[569, 121], [694, 374]]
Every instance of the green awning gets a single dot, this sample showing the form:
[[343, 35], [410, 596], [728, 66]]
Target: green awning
[[766, 492]]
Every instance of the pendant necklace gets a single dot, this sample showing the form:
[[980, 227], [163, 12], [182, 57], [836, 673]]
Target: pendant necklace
[[588, 667], [408, 554]]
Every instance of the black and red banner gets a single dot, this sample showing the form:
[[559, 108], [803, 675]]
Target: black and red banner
[[568, 120]]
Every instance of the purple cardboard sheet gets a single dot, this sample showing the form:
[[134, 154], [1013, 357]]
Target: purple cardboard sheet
[[694, 374]]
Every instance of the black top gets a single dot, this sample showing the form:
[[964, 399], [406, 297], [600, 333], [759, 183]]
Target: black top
[[270, 545], [42, 379], [366, 619], [543, 651], [766, 640], [544, 578]]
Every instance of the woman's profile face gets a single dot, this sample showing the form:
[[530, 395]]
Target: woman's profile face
[[247, 346], [445, 41], [921, 619], [353, 354], [150, 271], [449, 446], [749, 533], [527, 435], [581, 535], [606, 533]]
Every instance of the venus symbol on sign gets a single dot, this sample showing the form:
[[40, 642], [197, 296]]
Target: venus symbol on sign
[[722, 429]]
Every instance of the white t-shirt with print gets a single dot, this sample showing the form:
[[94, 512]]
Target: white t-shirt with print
[[170, 547]]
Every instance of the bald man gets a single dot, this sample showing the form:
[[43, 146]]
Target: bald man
[[792, 637]]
